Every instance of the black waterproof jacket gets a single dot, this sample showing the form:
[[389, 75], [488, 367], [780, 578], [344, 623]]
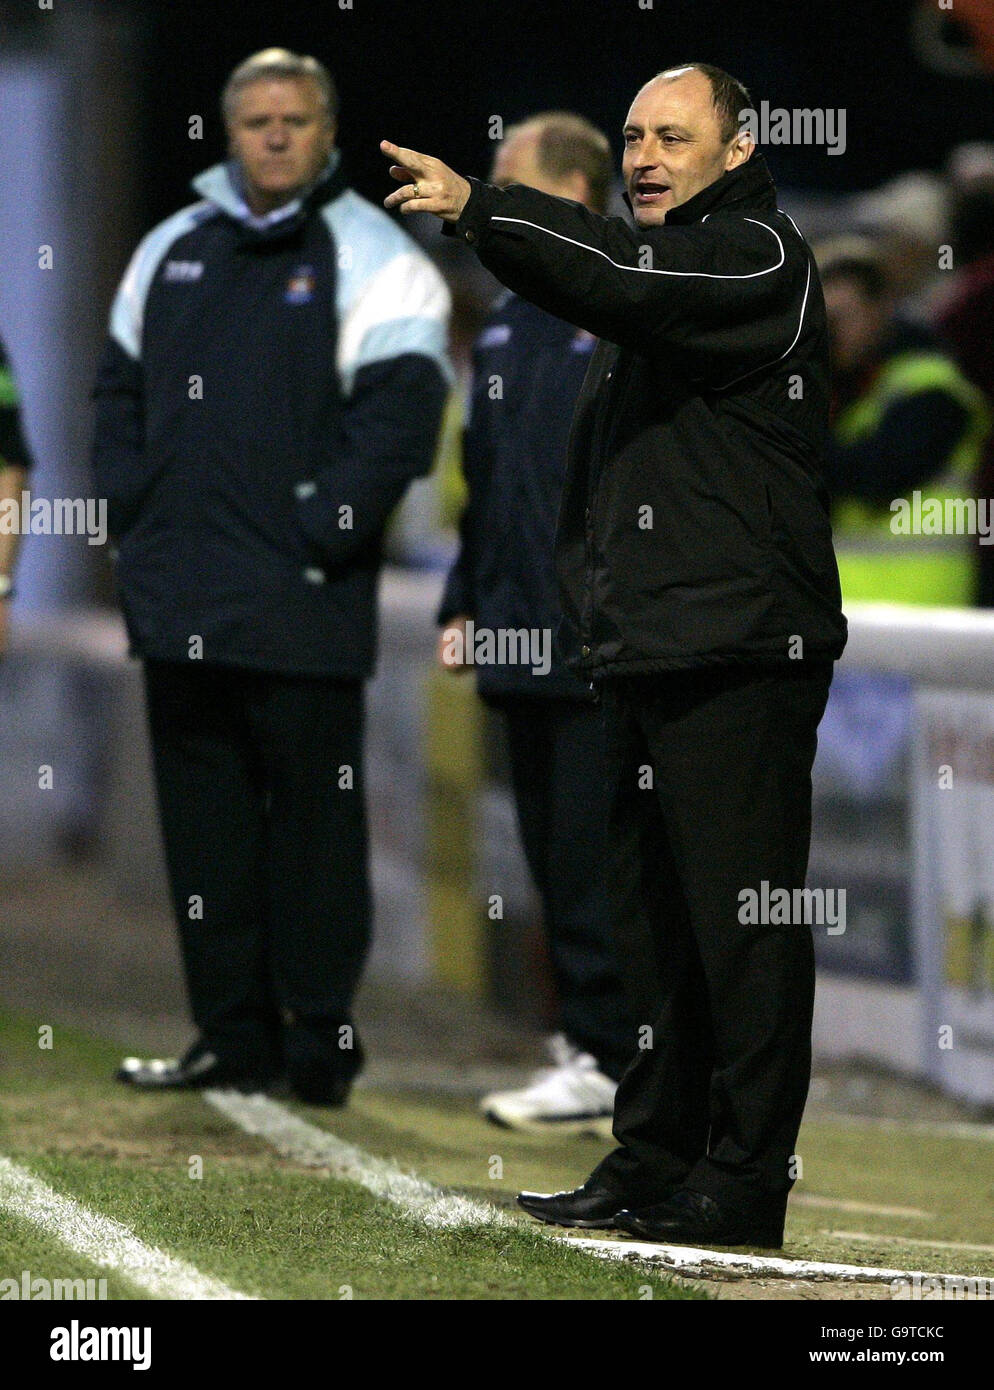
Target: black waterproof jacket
[[694, 527]]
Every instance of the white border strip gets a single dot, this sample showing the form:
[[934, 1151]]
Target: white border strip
[[300, 1142], [936, 1129], [648, 270], [306, 1144], [686, 1260], [869, 1237], [105, 1242], [813, 1200]]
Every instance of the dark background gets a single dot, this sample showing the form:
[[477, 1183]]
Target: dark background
[[430, 73]]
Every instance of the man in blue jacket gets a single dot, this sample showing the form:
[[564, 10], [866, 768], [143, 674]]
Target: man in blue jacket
[[273, 379], [528, 368]]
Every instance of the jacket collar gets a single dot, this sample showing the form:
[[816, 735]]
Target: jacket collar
[[223, 186], [748, 185]]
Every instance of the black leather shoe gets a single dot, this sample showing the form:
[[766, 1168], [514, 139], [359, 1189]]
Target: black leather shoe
[[320, 1067], [693, 1218], [332, 1091], [199, 1069], [588, 1207]]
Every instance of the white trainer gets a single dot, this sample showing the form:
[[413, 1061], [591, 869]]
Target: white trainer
[[568, 1097]]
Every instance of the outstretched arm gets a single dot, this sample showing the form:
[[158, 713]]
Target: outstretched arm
[[729, 293]]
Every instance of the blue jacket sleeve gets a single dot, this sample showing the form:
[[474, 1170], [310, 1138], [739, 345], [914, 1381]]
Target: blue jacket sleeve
[[459, 595], [389, 431], [120, 469]]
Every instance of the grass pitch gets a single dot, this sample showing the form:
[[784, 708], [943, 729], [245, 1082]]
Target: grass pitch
[[869, 1195], [259, 1223]]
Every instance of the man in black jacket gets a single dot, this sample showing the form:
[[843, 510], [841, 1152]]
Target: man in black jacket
[[700, 593], [273, 379], [528, 368]]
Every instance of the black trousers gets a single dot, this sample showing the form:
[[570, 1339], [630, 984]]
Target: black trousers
[[558, 777], [260, 789], [714, 1103]]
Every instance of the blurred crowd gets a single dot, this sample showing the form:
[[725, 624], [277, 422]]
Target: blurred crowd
[[908, 292]]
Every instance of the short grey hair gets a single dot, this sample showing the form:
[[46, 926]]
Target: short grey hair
[[275, 64]]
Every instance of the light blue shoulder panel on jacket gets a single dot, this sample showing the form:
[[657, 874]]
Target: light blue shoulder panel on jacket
[[391, 299], [128, 310]]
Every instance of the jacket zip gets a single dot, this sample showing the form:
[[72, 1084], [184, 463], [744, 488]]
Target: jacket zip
[[596, 452]]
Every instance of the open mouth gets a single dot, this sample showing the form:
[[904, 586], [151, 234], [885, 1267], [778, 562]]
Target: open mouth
[[647, 193]]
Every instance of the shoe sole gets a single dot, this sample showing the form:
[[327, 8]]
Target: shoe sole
[[607, 1225], [595, 1126], [248, 1086], [572, 1225], [702, 1242], [329, 1100]]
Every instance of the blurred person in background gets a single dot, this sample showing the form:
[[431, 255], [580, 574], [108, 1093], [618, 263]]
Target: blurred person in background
[[907, 220], [273, 379], [514, 460], [904, 421], [14, 464], [966, 317]]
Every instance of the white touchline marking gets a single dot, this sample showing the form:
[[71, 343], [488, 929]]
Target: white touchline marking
[[693, 1263], [943, 1129], [810, 1199], [306, 1144], [869, 1237], [105, 1242]]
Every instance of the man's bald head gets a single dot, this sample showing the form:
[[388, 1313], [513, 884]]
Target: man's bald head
[[728, 96], [682, 133]]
